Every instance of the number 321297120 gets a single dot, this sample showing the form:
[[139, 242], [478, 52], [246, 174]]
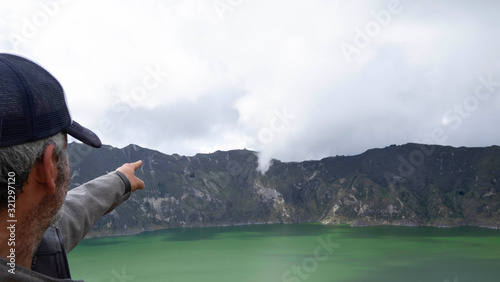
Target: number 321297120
[[11, 193]]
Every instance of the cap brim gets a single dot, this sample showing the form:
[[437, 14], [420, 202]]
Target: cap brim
[[83, 134]]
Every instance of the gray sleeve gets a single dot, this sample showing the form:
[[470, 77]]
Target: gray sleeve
[[85, 204]]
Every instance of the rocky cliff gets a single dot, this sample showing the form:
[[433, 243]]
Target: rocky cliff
[[409, 185]]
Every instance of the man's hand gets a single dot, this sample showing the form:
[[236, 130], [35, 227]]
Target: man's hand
[[129, 170]]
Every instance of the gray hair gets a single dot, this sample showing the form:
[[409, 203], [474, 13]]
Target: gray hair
[[19, 160]]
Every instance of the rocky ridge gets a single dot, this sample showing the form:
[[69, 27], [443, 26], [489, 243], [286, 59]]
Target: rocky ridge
[[410, 185]]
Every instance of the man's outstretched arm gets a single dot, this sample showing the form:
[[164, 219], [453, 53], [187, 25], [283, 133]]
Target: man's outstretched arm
[[86, 204], [82, 208]]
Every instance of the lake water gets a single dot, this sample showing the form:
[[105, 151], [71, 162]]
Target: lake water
[[292, 252]]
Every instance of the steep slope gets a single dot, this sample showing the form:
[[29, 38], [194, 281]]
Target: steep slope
[[410, 184]]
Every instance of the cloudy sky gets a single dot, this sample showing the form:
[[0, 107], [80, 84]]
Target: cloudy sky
[[294, 80]]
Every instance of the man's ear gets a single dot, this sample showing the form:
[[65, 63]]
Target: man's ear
[[47, 170]]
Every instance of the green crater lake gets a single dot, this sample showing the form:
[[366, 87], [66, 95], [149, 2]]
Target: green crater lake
[[292, 252]]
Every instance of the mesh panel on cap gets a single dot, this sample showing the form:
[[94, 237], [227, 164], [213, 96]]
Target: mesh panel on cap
[[15, 126], [32, 104], [51, 114]]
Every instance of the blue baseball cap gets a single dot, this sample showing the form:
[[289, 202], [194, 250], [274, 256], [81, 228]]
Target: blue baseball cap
[[33, 105]]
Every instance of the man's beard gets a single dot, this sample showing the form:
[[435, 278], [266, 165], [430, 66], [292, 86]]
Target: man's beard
[[47, 212], [62, 185]]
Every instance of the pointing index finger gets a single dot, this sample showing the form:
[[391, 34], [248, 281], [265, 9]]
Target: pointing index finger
[[137, 164]]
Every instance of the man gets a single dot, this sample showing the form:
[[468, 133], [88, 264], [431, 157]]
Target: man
[[34, 176]]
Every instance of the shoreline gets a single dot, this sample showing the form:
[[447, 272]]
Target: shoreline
[[92, 235]]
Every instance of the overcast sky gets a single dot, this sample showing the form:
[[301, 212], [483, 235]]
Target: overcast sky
[[294, 80]]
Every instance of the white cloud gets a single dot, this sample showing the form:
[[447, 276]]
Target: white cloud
[[229, 77]]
